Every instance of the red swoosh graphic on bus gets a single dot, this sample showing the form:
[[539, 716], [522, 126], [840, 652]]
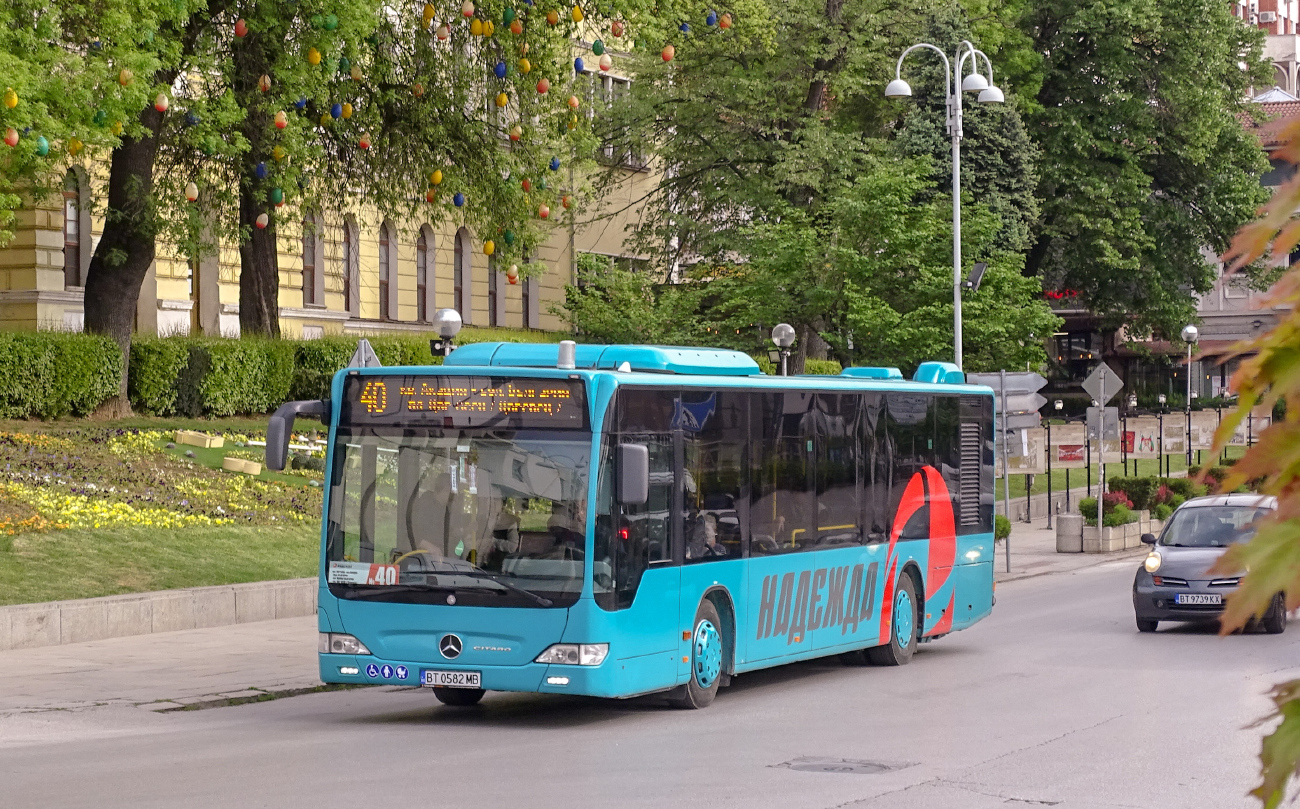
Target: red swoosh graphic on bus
[[942, 544], [913, 500]]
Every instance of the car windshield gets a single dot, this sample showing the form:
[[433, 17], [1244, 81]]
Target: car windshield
[[1211, 526], [487, 517]]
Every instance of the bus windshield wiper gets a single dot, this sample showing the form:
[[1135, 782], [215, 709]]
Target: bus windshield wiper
[[480, 573]]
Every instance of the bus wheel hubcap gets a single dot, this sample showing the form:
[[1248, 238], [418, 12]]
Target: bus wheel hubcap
[[903, 619], [708, 654]]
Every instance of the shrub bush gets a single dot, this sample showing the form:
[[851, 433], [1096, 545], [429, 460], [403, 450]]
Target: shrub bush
[[51, 374], [1184, 487], [155, 372], [810, 367], [1116, 510], [1001, 527], [226, 377], [1161, 511], [1141, 491]]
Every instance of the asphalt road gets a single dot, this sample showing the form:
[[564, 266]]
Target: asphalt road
[[1055, 700]]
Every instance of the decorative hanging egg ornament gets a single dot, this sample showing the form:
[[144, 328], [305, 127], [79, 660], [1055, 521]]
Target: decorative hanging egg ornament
[[11, 97], [576, 14], [364, 143], [489, 247], [262, 221], [488, 28], [685, 28], [241, 28], [467, 8], [525, 65], [430, 196], [668, 53], [507, 16], [161, 102], [428, 15], [261, 171], [724, 21], [11, 137], [552, 17], [526, 185], [711, 19], [347, 110], [476, 27], [301, 103], [458, 200], [191, 191], [543, 87], [264, 83], [500, 70], [509, 236], [344, 66], [436, 177], [336, 110], [192, 119], [502, 99], [443, 32], [598, 47], [277, 196], [579, 65], [317, 21], [101, 118], [125, 77], [616, 28], [574, 102], [331, 22], [541, 183], [523, 48], [544, 212], [277, 153], [555, 164], [75, 146], [564, 200], [116, 128], [42, 146], [573, 120], [356, 73], [512, 274], [606, 62], [281, 119], [516, 28], [516, 132], [417, 90]]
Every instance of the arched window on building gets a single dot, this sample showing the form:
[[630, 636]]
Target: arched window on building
[[351, 266], [74, 221], [385, 271], [462, 276], [423, 279], [312, 261]]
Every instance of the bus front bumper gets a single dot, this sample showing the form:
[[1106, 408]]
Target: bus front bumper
[[546, 678]]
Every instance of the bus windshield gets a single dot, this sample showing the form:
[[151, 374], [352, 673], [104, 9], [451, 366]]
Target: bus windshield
[[481, 517]]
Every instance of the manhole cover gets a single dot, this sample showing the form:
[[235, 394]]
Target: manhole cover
[[841, 765]]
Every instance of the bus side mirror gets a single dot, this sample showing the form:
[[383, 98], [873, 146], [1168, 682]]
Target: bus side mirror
[[280, 427], [633, 474]]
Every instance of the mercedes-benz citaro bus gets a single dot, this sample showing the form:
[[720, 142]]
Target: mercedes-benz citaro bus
[[624, 520]]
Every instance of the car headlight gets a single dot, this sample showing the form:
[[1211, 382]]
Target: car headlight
[[336, 644], [1152, 564], [575, 654]]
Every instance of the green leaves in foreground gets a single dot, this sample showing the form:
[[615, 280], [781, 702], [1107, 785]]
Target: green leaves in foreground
[[1281, 749]]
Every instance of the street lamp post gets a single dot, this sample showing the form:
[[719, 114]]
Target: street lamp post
[[988, 93], [1190, 336], [783, 336]]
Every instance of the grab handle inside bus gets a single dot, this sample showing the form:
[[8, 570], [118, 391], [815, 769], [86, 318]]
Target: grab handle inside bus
[[280, 428], [633, 474]]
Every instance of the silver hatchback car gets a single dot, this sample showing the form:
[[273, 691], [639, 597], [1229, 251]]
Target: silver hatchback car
[[1174, 583]]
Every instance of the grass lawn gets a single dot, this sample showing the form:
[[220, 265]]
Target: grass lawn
[[1079, 477], [83, 562]]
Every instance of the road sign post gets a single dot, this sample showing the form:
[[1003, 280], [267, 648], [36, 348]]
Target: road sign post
[[1102, 384]]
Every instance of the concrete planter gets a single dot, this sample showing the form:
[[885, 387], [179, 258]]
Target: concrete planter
[[1109, 540], [1069, 533]]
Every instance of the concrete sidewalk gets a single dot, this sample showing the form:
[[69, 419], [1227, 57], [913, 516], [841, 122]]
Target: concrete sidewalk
[[1033, 553]]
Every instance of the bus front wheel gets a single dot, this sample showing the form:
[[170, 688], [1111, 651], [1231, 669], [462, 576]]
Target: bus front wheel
[[706, 660], [902, 627], [459, 697]]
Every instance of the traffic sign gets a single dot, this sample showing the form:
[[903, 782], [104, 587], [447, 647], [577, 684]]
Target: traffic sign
[[1024, 402], [1103, 376], [1017, 383], [1019, 421]]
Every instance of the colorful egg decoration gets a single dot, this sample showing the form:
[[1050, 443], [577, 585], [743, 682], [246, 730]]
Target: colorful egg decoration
[[606, 62], [428, 14], [541, 183], [616, 28], [11, 137], [277, 196], [598, 47], [115, 128], [430, 195], [576, 14], [579, 65], [543, 212], [507, 16], [125, 77], [476, 27], [42, 146], [488, 28], [11, 97], [364, 142], [526, 185], [262, 221], [101, 118], [574, 102], [512, 274], [331, 22], [467, 8], [264, 83], [500, 70], [516, 28], [417, 90], [685, 28], [277, 153], [161, 102], [241, 28], [509, 236], [564, 200], [191, 118], [336, 110], [344, 65], [724, 21], [458, 200], [668, 53], [516, 132], [261, 171], [489, 247], [300, 103], [552, 17], [443, 32], [543, 87], [191, 191], [555, 164], [711, 19], [356, 73], [347, 110], [502, 99], [525, 66], [281, 119], [436, 177], [75, 146]]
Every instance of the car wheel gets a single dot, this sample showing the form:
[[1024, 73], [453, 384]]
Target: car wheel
[[1147, 625], [1274, 621], [903, 629], [706, 660], [459, 697]]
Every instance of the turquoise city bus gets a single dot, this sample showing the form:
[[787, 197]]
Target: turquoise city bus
[[624, 520]]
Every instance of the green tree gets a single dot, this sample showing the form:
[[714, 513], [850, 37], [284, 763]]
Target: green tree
[[1145, 163]]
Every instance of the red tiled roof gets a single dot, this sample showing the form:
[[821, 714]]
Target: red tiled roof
[[1280, 114]]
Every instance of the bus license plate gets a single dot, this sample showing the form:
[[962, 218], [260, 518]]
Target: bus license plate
[[1199, 598], [431, 678]]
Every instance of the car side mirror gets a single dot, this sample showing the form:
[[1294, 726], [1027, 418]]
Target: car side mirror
[[280, 428], [633, 474], [1149, 539]]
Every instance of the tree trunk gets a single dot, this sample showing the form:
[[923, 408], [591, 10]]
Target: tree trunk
[[259, 268], [125, 252]]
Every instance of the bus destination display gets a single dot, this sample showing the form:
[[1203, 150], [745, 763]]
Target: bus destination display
[[464, 401]]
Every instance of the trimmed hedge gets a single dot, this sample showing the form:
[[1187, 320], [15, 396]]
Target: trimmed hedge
[[225, 377], [156, 367], [810, 366], [316, 361], [51, 374]]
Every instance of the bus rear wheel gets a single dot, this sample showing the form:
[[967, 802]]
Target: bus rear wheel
[[706, 660], [902, 627], [459, 697]]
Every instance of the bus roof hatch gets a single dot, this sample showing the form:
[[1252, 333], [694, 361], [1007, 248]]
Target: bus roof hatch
[[941, 373]]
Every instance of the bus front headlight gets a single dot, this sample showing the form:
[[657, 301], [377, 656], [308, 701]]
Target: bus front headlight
[[574, 654], [1152, 564], [337, 644]]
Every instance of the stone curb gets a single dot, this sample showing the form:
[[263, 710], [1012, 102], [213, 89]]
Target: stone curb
[[53, 623]]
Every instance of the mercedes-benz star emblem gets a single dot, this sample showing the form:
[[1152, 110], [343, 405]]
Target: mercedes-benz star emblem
[[450, 646]]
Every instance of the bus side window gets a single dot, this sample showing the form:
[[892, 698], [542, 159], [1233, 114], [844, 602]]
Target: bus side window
[[838, 449], [781, 462], [714, 429], [875, 469], [911, 447]]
